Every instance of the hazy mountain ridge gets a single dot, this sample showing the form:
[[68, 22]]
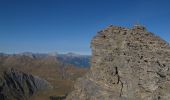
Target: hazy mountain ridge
[[69, 58], [75, 59]]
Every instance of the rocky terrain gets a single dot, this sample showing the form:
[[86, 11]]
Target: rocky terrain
[[16, 85], [29, 68], [127, 64]]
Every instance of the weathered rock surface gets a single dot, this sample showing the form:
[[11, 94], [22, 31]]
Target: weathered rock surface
[[15, 85], [127, 64]]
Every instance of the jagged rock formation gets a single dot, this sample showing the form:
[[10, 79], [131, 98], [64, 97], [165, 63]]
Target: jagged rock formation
[[127, 64], [15, 85]]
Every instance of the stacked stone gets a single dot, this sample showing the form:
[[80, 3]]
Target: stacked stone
[[127, 64]]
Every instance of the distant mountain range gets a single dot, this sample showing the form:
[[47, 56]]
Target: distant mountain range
[[69, 58], [59, 70], [75, 59]]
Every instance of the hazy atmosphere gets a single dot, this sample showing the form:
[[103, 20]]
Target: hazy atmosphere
[[69, 25]]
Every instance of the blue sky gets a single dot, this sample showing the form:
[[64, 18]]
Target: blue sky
[[69, 25]]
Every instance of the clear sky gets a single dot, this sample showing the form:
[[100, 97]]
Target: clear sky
[[69, 25]]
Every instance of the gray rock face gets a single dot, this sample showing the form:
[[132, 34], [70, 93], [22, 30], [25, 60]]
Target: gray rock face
[[15, 85], [127, 64]]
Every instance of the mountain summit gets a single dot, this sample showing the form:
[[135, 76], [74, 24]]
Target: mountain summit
[[127, 64]]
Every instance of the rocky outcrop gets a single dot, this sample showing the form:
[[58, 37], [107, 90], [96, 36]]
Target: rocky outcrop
[[16, 85], [127, 64]]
